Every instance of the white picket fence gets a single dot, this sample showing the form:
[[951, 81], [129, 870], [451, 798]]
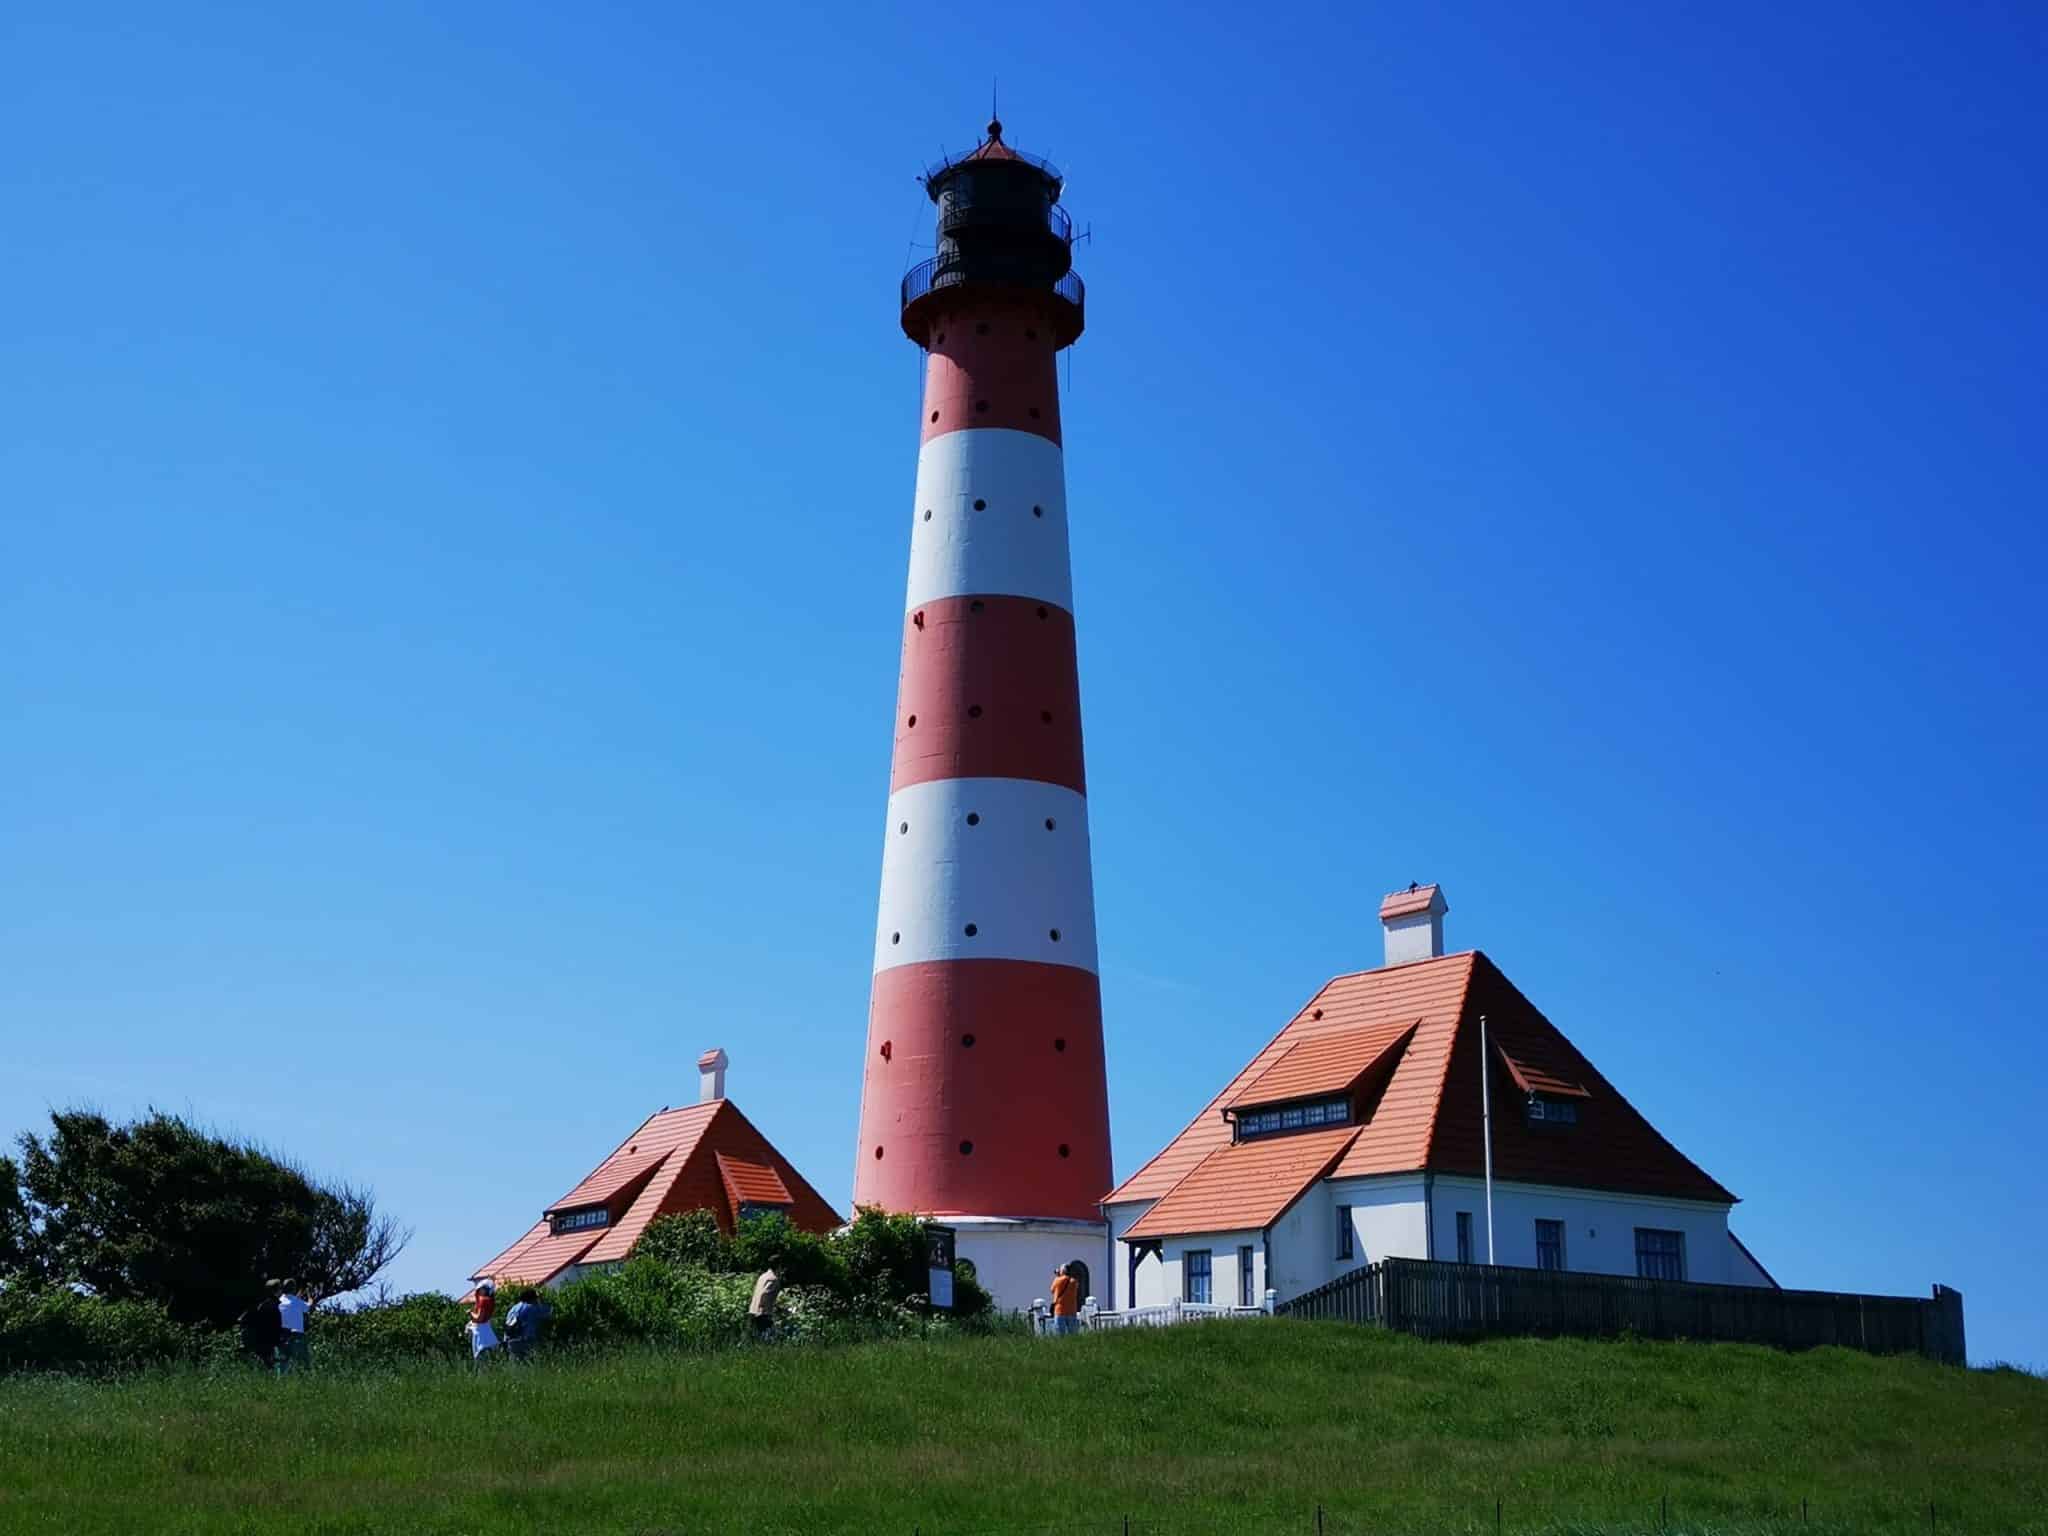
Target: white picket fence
[[1093, 1316]]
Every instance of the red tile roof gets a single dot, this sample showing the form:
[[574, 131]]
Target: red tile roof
[[674, 1162], [751, 1183], [1535, 1070], [1430, 991], [1425, 1119], [1417, 898], [1245, 1186], [1324, 1065]]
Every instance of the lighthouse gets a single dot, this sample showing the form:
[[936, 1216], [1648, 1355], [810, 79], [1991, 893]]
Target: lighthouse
[[984, 1102]]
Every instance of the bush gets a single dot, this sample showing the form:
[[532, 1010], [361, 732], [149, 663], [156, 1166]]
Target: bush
[[420, 1326], [58, 1329]]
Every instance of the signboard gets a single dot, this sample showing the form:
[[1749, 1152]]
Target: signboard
[[940, 1285]]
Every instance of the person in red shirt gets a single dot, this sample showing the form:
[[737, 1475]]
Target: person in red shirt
[[483, 1338]]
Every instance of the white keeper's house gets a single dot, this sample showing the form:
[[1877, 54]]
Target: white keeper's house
[[1355, 1135]]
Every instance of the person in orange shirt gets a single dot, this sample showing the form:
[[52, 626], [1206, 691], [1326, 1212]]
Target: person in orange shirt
[[1066, 1302]]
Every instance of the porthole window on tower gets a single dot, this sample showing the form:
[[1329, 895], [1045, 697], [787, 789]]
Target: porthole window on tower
[[980, 506], [1038, 511], [1045, 716], [967, 1041], [981, 329], [1060, 1044], [971, 930], [974, 711], [927, 514], [974, 818], [1065, 1150], [981, 405], [966, 1149], [902, 827], [1050, 823], [1034, 413], [912, 722], [935, 415], [1042, 610], [975, 606], [1055, 935], [878, 1154]]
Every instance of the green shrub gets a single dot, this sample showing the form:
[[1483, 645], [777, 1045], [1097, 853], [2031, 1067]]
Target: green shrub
[[58, 1329], [420, 1326]]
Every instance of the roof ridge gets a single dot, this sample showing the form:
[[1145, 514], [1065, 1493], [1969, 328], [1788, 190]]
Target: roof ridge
[[1472, 959]]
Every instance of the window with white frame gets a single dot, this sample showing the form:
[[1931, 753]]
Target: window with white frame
[[1194, 1269], [1660, 1254], [1549, 1245], [1345, 1243], [1294, 1117], [579, 1221], [1244, 1276], [1549, 1112], [1464, 1237]]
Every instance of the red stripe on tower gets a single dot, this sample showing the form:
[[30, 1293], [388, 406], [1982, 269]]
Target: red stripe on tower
[[984, 1099]]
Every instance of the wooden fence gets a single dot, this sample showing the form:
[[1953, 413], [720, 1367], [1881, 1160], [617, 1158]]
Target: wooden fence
[[1436, 1300]]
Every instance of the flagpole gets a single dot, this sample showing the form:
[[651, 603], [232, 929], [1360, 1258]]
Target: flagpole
[[1486, 1132]]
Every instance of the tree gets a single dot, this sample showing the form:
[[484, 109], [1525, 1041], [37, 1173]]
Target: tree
[[14, 1228], [160, 1210]]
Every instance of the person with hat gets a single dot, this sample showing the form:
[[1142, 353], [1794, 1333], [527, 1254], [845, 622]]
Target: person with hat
[[483, 1338]]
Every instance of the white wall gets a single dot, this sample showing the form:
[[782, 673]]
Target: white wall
[[1114, 1291], [1224, 1269], [1600, 1228], [1014, 1260]]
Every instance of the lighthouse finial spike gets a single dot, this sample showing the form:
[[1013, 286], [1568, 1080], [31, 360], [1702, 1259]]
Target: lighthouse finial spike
[[995, 121]]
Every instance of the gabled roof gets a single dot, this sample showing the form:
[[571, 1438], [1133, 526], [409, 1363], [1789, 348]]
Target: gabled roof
[[1426, 995], [1245, 1186], [1536, 1070], [1428, 1118], [674, 1162], [751, 1183], [1326, 1065]]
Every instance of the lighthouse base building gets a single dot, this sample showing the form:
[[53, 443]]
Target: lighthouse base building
[[1359, 1133]]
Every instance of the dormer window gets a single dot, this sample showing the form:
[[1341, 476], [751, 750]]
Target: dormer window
[[579, 1220], [749, 1209], [1309, 1116], [1546, 1111]]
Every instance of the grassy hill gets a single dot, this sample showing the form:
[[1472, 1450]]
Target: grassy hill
[[1228, 1427]]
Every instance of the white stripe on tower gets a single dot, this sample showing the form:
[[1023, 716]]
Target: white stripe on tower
[[1014, 543]]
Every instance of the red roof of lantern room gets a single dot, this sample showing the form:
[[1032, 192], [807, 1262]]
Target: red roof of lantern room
[[1422, 1120], [700, 1157]]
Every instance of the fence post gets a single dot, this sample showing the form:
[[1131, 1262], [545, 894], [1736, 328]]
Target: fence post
[[1272, 1300]]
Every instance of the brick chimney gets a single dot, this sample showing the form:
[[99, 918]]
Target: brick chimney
[[1414, 923], [711, 1075]]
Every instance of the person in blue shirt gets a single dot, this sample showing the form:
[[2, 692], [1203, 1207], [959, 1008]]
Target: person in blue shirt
[[522, 1323]]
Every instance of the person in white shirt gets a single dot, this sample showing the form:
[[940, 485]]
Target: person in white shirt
[[291, 1312]]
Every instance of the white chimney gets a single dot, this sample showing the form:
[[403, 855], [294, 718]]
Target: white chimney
[[711, 1076], [1414, 924]]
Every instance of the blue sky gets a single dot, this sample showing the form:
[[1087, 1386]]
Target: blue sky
[[452, 493]]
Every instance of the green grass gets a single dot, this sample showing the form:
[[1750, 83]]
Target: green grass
[[1225, 1427]]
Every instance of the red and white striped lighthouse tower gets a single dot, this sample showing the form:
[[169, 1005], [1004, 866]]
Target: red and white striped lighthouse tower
[[984, 1100]]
